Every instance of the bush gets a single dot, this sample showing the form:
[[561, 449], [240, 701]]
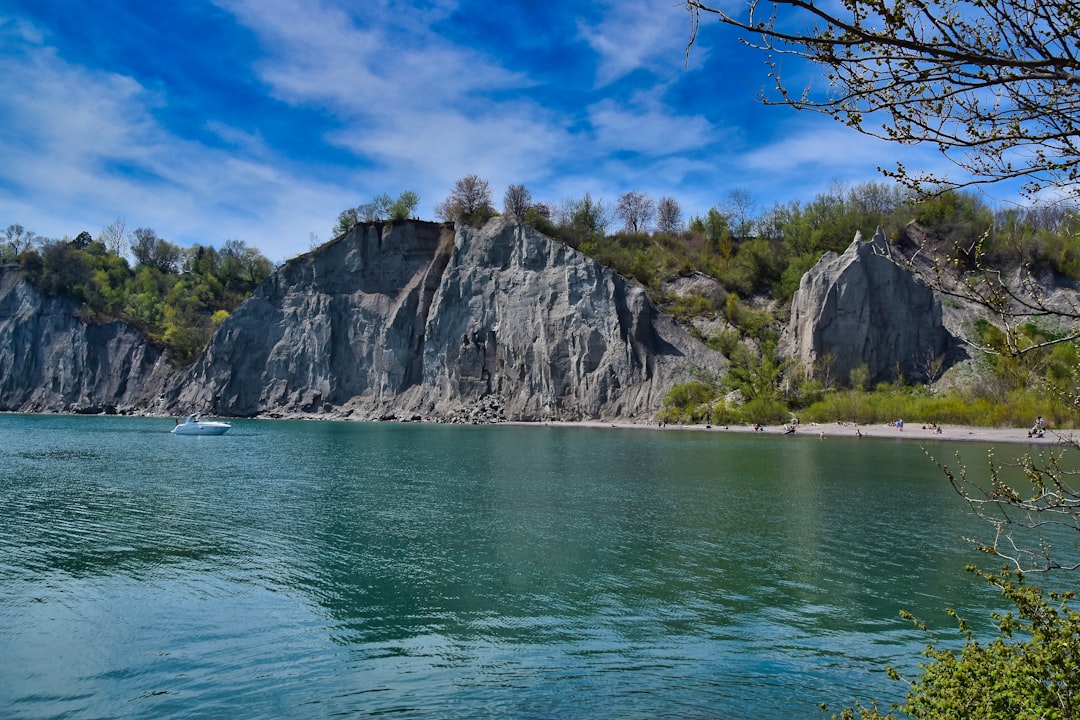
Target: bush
[[1030, 670], [688, 402], [763, 410]]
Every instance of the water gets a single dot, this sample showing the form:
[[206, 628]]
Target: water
[[318, 570]]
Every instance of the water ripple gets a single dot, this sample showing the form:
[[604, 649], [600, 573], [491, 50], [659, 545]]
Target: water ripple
[[300, 570]]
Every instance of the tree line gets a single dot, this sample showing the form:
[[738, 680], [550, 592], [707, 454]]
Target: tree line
[[174, 295]]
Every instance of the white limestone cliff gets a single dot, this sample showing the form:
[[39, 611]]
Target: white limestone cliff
[[862, 308], [51, 361], [417, 320]]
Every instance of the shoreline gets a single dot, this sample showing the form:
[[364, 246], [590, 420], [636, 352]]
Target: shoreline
[[822, 431], [1052, 437]]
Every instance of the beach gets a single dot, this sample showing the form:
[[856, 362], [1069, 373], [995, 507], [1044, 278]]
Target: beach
[[822, 431]]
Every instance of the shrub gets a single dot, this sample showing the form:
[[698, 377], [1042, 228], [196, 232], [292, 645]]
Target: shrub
[[1030, 670], [688, 402]]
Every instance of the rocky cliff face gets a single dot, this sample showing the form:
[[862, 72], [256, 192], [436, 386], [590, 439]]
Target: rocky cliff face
[[52, 361], [860, 307], [418, 320]]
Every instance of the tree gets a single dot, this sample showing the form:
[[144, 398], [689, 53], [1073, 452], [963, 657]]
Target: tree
[[151, 251], [584, 217], [995, 84], [636, 210], [17, 240], [242, 267], [1030, 670], [718, 232], [381, 207], [375, 211], [739, 207], [404, 206], [469, 202], [517, 201], [347, 220], [114, 237], [668, 216]]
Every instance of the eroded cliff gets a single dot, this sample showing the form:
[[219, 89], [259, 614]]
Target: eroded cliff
[[862, 308], [51, 361], [416, 319]]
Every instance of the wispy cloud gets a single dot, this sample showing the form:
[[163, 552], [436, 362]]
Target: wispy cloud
[[634, 35], [83, 147], [297, 110]]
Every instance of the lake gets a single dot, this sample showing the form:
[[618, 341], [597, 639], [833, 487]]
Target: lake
[[318, 569]]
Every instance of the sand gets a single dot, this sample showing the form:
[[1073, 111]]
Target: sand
[[822, 431]]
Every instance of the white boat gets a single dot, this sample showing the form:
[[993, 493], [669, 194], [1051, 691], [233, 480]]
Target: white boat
[[192, 425]]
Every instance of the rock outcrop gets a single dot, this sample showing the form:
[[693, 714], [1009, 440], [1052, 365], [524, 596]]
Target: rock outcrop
[[50, 360], [417, 320], [861, 307]]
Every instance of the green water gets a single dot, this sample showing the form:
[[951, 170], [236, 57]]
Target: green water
[[317, 570]]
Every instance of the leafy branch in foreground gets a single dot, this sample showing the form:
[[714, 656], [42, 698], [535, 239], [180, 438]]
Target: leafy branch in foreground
[[1030, 670], [1026, 524]]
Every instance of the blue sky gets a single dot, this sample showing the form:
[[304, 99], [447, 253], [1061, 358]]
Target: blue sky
[[260, 120]]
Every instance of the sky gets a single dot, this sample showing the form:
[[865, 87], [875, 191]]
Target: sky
[[261, 120]]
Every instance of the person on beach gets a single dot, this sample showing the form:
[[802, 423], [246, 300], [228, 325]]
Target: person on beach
[[1036, 430]]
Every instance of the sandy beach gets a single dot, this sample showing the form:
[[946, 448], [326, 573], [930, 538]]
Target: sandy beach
[[821, 431]]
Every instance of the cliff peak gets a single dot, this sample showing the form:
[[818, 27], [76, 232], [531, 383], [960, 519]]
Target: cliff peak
[[862, 308]]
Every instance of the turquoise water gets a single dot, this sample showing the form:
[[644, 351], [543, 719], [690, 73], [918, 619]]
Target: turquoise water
[[318, 570]]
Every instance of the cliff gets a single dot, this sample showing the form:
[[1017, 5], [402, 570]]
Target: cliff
[[415, 319], [50, 360], [862, 308]]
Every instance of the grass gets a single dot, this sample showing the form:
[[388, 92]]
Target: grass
[[915, 405]]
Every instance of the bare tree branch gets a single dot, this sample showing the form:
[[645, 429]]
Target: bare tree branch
[[994, 84]]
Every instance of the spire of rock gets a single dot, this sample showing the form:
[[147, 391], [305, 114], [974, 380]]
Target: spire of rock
[[863, 308]]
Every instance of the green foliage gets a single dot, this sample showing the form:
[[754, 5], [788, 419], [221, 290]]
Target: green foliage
[[539, 218], [756, 373], [1030, 670], [763, 410], [916, 404], [174, 296], [404, 206], [688, 402], [859, 377], [379, 209], [758, 265], [469, 202], [771, 391]]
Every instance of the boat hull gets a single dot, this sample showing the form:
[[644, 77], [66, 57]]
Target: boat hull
[[202, 429], [194, 426]]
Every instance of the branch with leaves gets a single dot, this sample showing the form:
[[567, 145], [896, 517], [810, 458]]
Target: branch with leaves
[[994, 84], [1029, 524]]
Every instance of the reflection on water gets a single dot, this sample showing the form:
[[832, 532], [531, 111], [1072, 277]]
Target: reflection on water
[[308, 570]]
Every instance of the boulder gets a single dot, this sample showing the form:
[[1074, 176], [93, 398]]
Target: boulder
[[862, 308]]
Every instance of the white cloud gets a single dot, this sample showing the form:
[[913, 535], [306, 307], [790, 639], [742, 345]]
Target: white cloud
[[82, 147], [638, 34], [650, 129], [375, 64], [417, 107]]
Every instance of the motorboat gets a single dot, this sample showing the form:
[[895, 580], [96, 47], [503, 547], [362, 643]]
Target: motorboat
[[194, 425]]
